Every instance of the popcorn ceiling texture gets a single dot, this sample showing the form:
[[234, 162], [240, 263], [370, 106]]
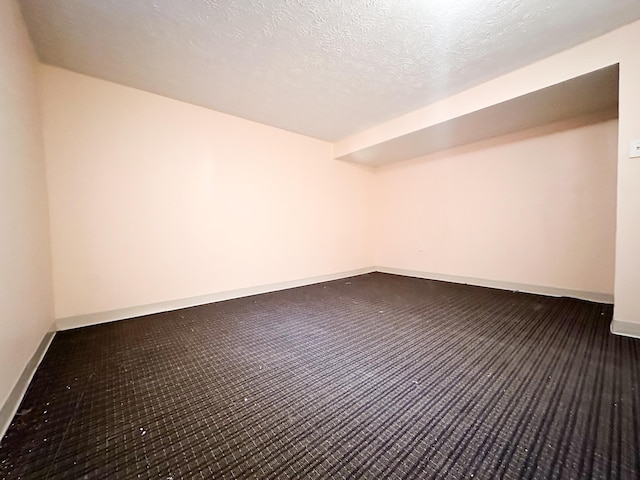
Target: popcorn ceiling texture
[[326, 69]]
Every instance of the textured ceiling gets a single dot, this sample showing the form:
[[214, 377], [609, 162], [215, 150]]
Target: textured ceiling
[[324, 68]]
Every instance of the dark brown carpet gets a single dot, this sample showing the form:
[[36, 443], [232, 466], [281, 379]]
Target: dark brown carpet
[[376, 376]]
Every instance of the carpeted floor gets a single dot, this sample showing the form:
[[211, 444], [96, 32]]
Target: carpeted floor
[[376, 376]]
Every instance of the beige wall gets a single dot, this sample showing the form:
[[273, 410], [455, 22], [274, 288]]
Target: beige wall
[[154, 200], [535, 208], [627, 291], [26, 309]]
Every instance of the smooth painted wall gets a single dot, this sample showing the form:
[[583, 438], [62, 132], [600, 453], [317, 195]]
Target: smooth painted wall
[[627, 291], [153, 199], [535, 208], [26, 301]]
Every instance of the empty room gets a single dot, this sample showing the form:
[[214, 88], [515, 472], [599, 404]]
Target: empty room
[[319, 239]]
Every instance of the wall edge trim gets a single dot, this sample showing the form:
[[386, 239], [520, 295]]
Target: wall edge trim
[[10, 407], [625, 329], [85, 320], [519, 287]]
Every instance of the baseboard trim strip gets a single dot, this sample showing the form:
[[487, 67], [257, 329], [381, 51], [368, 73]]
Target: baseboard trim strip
[[124, 313], [11, 405], [517, 287], [85, 320], [626, 329]]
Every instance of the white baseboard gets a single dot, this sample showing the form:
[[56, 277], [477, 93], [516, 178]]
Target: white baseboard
[[131, 312], [123, 313], [518, 287], [626, 329], [10, 406]]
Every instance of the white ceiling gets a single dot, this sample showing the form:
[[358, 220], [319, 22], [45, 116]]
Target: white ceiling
[[323, 68], [588, 98]]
